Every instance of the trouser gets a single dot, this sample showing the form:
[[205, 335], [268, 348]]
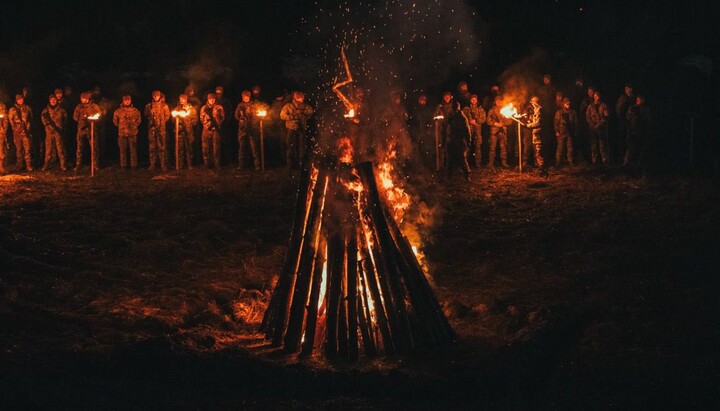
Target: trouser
[[537, 144], [564, 149], [497, 135], [54, 144], [598, 144], [457, 158], [635, 150], [23, 155], [476, 133], [3, 151], [527, 145], [294, 147], [82, 137], [211, 148], [157, 140], [251, 139], [185, 150], [126, 143]]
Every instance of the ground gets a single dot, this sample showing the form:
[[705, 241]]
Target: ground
[[137, 290]]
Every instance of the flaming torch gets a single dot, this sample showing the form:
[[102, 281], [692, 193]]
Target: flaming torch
[[177, 114], [511, 112], [261, 113], [92, 119], [438, 143]]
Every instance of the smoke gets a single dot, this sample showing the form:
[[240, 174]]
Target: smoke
[[521, 79], [390, 46]]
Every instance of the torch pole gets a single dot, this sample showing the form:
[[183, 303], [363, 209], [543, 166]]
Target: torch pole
[[519, 148], [92, 149], [437, 145], [177, 143], [262, 147]]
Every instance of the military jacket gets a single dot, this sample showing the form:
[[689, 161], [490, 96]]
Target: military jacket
[[127, 119]]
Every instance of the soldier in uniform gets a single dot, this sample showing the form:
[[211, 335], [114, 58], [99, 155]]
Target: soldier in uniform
[[421, 120], [638, 121], [295, 114], [102, 123], [597, 115], [457, 143], [246, 114], [185, 131], [476, 116], [54, 118], [157, 113], [442, 116], [229, 148], [463, 94], [566, 125], [82, 111], [498, 133], [4, 146], [526, 134], [20, 117], [127, 118], [212, 115], [623, 103], [534, 123], [256, 90]]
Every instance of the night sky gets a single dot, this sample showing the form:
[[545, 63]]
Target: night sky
[[136, 46]]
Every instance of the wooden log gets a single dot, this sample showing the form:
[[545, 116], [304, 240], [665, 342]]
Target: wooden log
[[301, 291], [276, 312], [342, 324], [313, 304], [364, 319], [352, 300], [335, 273], [378, 303]]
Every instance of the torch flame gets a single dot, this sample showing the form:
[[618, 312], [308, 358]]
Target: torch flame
[[180, 113], [350, 113], [509, 111], [261, 113], [94, 116], [440, 117]]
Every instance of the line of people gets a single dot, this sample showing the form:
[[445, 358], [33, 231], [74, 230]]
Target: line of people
[[212, 118]]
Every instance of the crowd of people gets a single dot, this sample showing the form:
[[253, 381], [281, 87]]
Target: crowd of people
[[464, 131]]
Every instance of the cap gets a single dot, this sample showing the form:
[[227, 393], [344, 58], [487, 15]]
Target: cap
[[52, 96], [566, 100], [473, 96], [18, 97], [246, 93], [185, 96], [126, 97], [447, 93], [219, 89]]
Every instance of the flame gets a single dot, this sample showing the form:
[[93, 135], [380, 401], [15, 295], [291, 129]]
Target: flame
[[438, 117], [398, 199], [2, 115], [346, 150], [509, 111], [95, 116], [350, 114], [261, 113], [180, 113]]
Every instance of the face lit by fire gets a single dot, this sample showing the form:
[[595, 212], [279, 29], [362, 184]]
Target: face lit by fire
[[447, 97], [156, 95], [246, 96]]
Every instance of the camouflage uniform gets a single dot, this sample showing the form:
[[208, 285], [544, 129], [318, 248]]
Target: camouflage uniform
[[212, 115], [566, 125], [20, 117], [498, 132], [186, 136], [534, 123], [476, 116], [442, 114], [54, 118], [127, 118], [80, 115], [526, 135], [249, 131], [295, 114], [597, 118], [457, 144], [3, 136], [157, 113]]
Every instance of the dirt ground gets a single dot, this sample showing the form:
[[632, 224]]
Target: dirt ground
[[587, 290]]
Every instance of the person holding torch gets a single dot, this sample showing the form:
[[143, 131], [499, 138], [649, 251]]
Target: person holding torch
[[82, 114], [248, 114], [186, 118]]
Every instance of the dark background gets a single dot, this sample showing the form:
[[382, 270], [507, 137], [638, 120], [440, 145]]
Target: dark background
[[668, 50]]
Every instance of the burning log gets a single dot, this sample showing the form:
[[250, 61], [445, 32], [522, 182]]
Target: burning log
[[351, 283]]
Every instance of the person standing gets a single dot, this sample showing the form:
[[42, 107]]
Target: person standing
[[127, 118], [638, 122], [476, 116], [82, 111], [498, 133], [4, 146], [20, 117], [296, 115], [623, 103], [534, 123], [212, 115], [457, 143], [597, 115], [54, 118], [566, 125], [246, 114], [157, 113], [186, 134]]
